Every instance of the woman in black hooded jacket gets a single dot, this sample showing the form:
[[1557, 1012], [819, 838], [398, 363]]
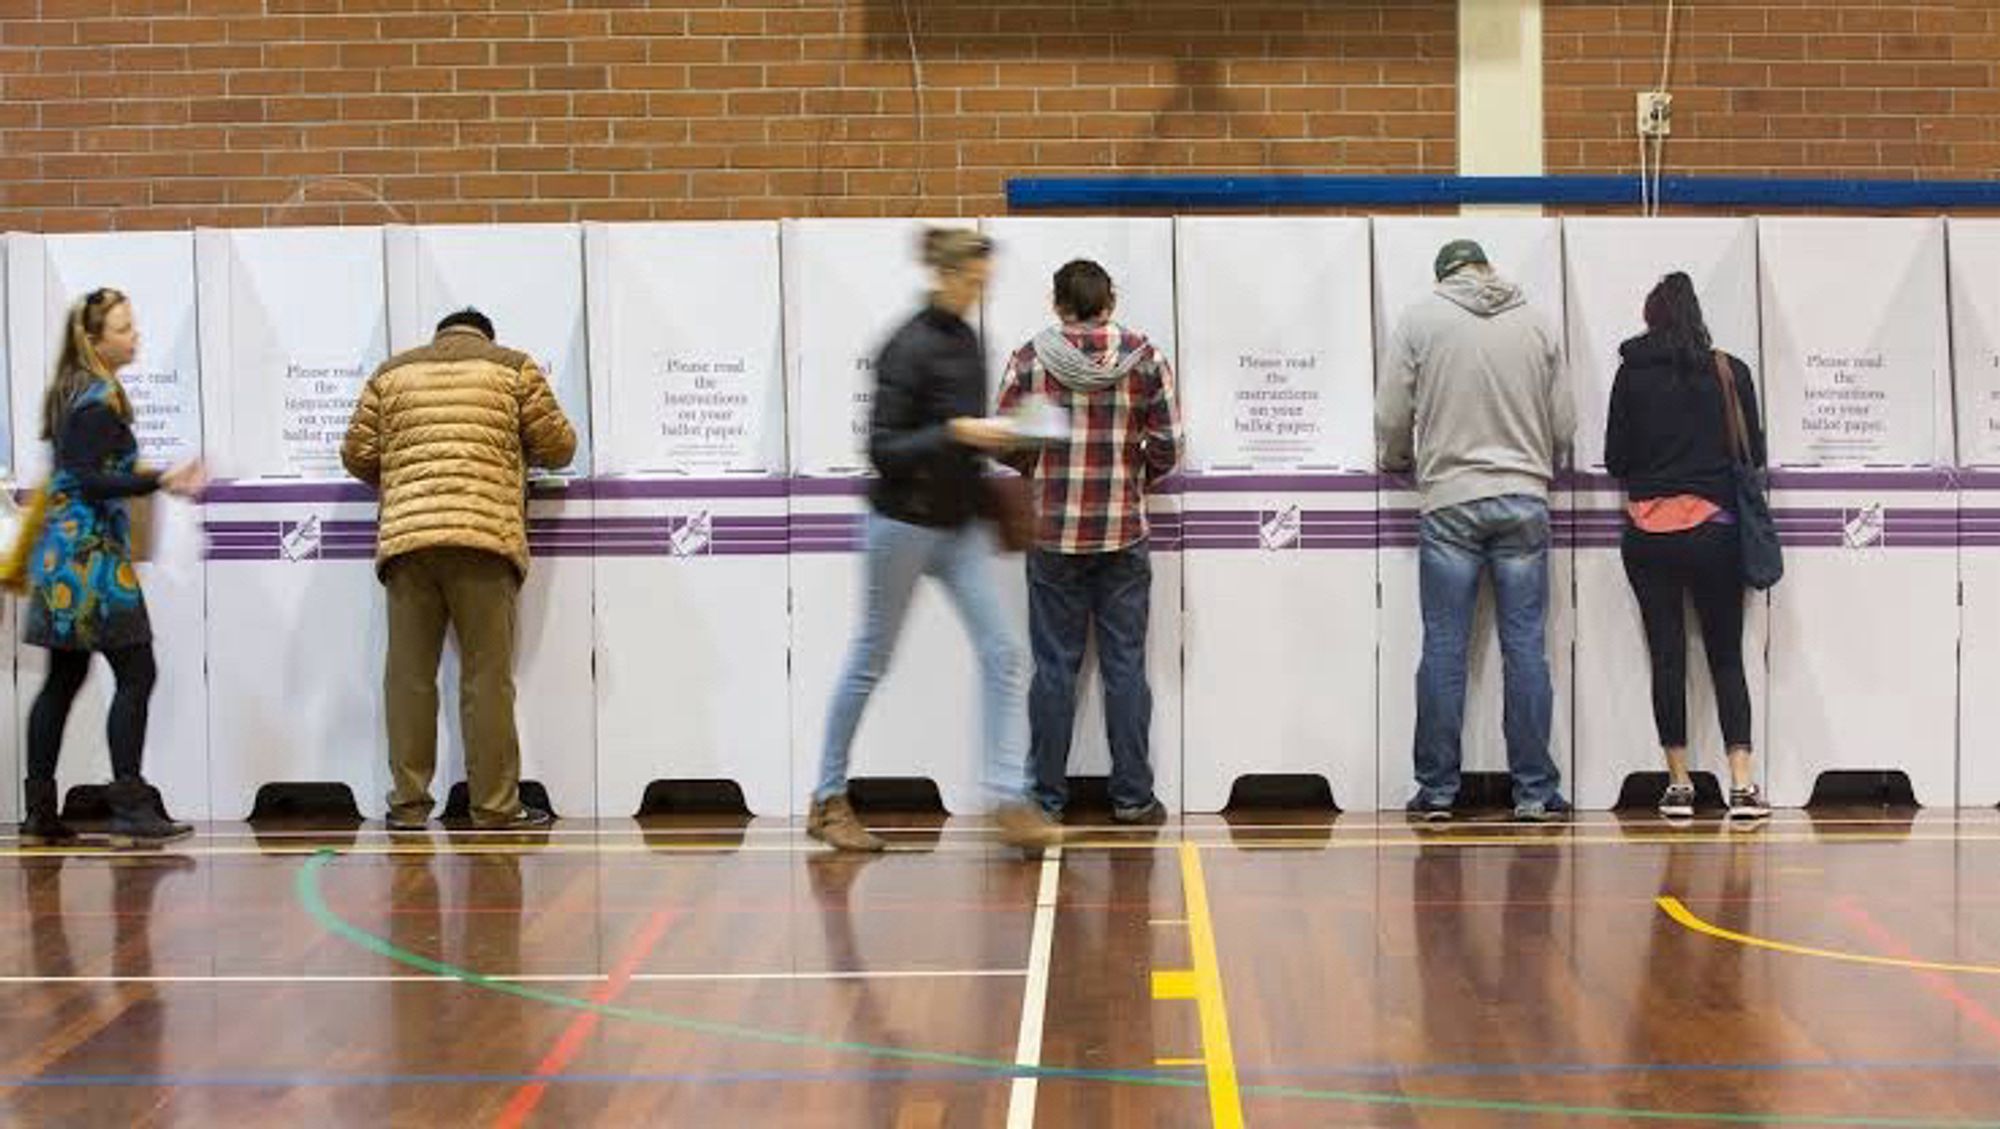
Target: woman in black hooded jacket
[[1670, 443]]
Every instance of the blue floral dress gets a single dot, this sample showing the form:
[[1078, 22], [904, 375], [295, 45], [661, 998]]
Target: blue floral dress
[[83, 592]]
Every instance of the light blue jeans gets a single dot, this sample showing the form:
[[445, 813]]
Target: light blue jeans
[[1507, 537], [898, 555]]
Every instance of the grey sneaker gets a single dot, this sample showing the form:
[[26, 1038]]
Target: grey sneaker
[[1151, 815], [1555, 810], [1677, 802], [1747, 804]]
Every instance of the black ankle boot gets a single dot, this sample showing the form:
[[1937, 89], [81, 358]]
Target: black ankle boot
[[43, 827], [134, 821]]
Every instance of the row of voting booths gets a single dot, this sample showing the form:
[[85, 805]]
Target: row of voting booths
[[696, 573]]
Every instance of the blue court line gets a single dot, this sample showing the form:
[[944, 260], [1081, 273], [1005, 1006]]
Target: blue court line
[[754, 1077]]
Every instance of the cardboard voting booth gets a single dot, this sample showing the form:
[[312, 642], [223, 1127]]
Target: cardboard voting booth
[[1864, 627], [691, 539], [1279, 532]]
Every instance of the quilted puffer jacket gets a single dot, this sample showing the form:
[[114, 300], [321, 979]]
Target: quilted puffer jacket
[[446, 433]]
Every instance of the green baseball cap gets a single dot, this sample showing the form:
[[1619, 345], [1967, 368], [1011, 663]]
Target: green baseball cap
[[1457, 254]]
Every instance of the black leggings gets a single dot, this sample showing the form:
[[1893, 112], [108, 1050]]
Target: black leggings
[[126, 728], [1664, 569]]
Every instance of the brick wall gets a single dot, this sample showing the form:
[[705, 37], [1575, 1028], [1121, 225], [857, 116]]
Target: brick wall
[[172, 113], [1882, 88]]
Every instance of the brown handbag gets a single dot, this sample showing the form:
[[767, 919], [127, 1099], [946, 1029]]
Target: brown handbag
[[1008, 502]]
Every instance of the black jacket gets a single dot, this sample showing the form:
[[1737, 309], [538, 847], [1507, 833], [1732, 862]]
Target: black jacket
[[1666, 433], [931, 371]]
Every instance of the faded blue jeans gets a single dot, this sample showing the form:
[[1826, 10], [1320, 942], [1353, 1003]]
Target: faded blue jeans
[[898, 555], [1508, 537]]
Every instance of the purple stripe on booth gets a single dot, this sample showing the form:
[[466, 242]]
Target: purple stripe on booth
[[1301, 483], [631, 488]]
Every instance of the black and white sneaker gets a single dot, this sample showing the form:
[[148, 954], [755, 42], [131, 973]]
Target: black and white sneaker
[[1747, 804], [1423, 811], [1677, 802]]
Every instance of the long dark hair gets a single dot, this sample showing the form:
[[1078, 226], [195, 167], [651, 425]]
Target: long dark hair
[[1673, 314], [79, 365]]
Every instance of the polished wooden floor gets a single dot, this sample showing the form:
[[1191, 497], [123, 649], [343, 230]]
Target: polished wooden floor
[[1266, 971]]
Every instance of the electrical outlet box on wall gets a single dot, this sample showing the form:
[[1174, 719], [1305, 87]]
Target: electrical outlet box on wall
[[1656, 113]]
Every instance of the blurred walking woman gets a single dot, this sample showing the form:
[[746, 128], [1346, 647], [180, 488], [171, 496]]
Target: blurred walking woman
[[927, 438], [83, 592], [1668, 441]]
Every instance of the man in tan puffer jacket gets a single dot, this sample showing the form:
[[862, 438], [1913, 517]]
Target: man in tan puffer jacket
[[446, 433]]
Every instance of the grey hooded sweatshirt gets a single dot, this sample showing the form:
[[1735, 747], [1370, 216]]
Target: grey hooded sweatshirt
[[1475, 395]]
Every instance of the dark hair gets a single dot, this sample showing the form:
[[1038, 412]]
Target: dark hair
[[471, 319], [1083, 290], [78, 364], [1673, 313]]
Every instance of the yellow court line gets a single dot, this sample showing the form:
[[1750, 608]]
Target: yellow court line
[[1687, 919], [1178, 1062], [1225, 1104]]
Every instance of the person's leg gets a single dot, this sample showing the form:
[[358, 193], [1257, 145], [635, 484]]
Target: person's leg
[[1058, 628], [42, 823], [125, 727], [482, 593], [1518, 551], [1449, 561], [417, 622], [1121, 593], [1652, 567], [895, 558], [965, 565], [1717, 582], [50, 715]]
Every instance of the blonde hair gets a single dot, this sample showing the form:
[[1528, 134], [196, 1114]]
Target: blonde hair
[[949, 248], [79, 364]]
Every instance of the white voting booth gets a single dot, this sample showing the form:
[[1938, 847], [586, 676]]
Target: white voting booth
[[688, 388], [10, 619], [155, 270], [1139, 255], [1975, 325], [293, 322], [1528, 251], [1277, 392], [528, 278], [848, 285], [1612, 264], [1864, 627]]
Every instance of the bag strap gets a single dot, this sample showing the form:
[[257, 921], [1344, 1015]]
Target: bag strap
[[1732, 410]]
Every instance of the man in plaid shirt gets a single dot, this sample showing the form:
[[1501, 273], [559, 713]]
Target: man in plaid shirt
[[1090, 562]]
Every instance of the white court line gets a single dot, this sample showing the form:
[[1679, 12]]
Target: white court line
[[540, 978], [1035, 997]]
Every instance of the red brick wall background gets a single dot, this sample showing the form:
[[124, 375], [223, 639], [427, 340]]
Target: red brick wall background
[[173, 113], [1881, 88]]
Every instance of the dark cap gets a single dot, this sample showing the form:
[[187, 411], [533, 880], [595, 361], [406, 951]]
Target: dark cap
[[1457, 254]]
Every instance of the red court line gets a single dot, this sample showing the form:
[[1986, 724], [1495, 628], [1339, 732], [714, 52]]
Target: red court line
[[565, 1050], [1940, 984]]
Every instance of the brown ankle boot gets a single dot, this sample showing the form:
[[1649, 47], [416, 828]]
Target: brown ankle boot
[[832, 821], [1027, 826]]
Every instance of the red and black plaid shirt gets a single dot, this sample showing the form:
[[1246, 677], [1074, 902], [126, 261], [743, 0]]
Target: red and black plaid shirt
[[1091, 489]]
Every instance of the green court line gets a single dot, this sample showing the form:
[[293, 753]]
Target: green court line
[[307, 887]]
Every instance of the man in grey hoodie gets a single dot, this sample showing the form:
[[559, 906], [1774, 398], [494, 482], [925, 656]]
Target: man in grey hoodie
[[1476, 396], [1090, 563]]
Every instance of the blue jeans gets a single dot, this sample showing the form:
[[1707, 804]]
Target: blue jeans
[[1456, 545], [1067, 593], [898, 554]]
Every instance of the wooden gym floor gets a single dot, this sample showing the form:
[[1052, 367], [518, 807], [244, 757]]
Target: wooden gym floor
[[1824, 970]]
